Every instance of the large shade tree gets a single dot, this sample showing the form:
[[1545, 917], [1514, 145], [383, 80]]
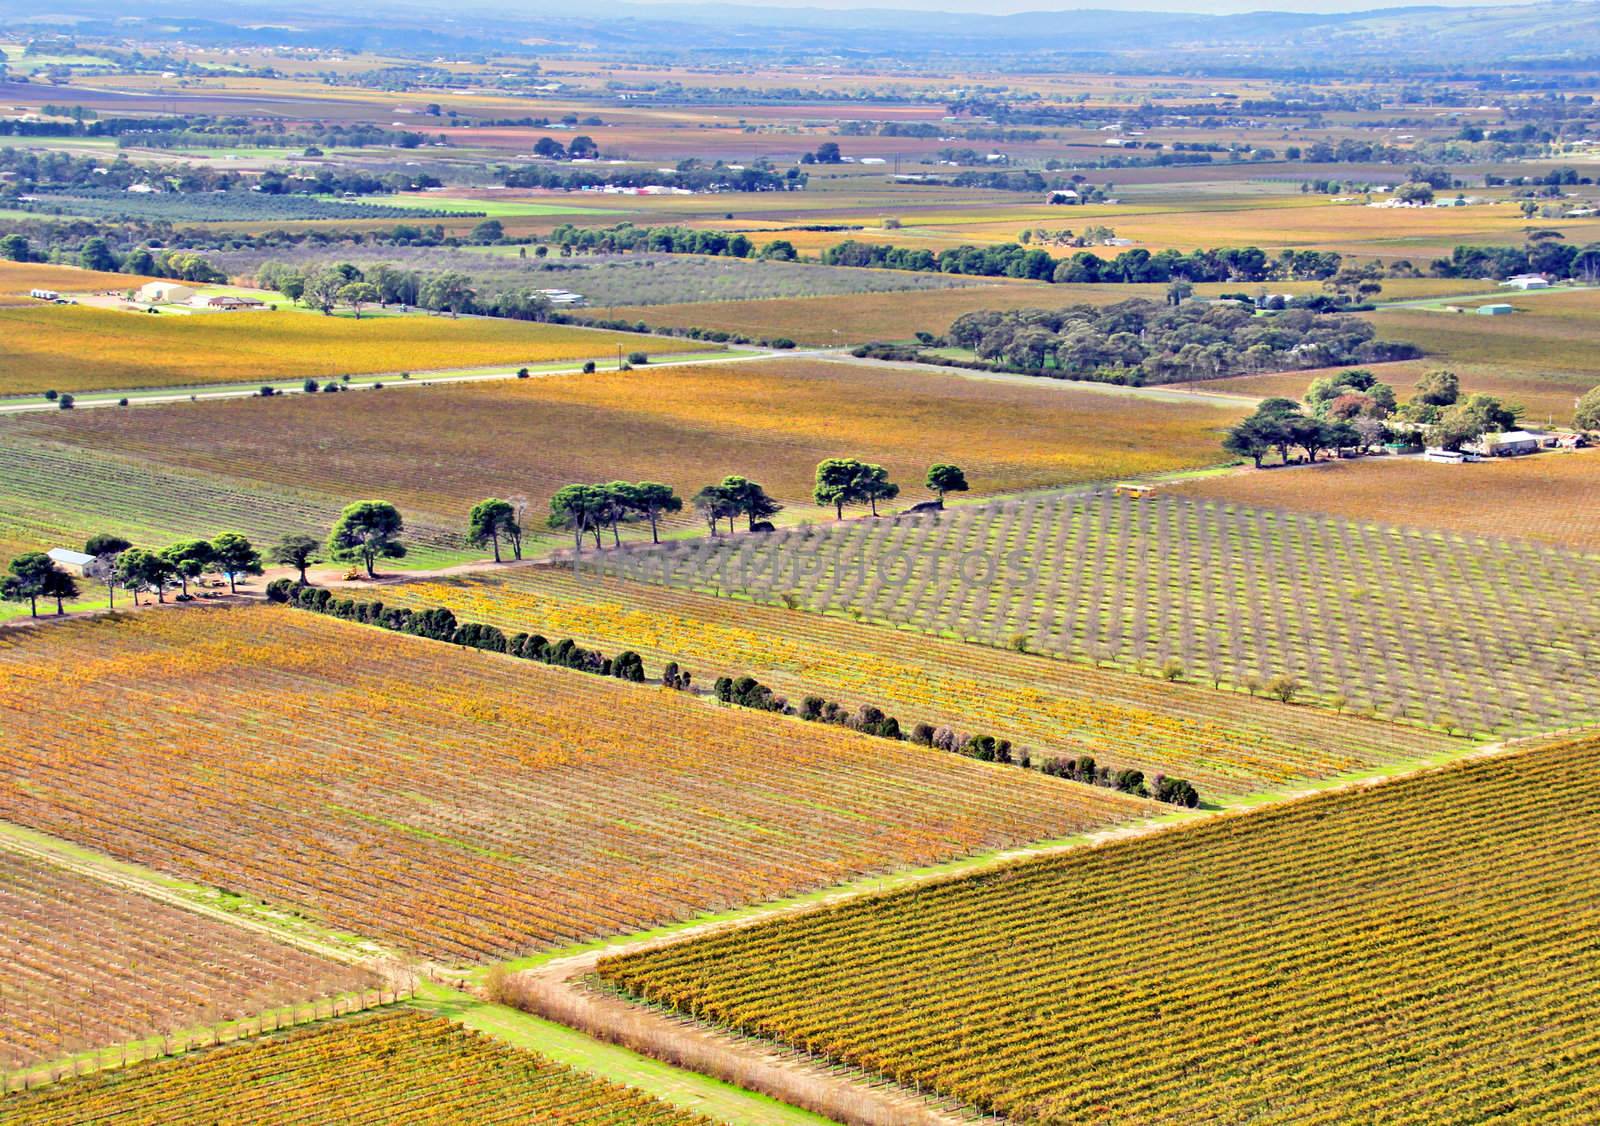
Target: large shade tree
[[492, 520], [654, 500], [298, 551], [365, 532], [28, 580], [140, 571], [234, 555], [943, 478]]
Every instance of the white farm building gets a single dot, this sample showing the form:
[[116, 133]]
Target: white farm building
[[165, 293]]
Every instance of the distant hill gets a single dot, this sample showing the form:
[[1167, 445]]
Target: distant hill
[[1561, 32]]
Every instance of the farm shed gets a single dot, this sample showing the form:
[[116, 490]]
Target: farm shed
[[68, 560], [164, 293], [1526, 281], [1496, 310], [1511, 443], [44, 294], [226, 301]]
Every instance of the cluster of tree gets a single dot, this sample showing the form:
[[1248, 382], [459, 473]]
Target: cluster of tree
[[1352, 410], [88, 125], [661, 240], [35, 171], [439, 624], [733, 497], [1587, 414], [34, 575], [592, 509], [715, 178], [1093, 235], [229, 133], [95, 253], [1173, 791], [866, 719], [845, 480], [1003, 180], [61, 238], [580, 147], [1544, 253], [1246, 264], [117, 563], [327, 181], [349, 286], [748, 692], [1279, 424], [1141, 341]]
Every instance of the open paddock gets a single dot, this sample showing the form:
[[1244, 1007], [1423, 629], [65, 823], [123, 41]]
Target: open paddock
[[76, 348]]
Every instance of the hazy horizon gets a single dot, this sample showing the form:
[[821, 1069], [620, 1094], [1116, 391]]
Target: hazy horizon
[[1014, 7]]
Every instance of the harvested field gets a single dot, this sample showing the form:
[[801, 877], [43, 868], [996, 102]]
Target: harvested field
[[1551, 498], [1223, 593], [1303, 963], [75, 348], [1225, 744], [879, 316], [84, 965], [465, 805], [394, 1069], [18, 278], [1549, 332], [269, 466]]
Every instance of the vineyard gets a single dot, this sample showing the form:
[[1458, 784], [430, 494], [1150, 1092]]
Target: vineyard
[[271, 466], [395, 1069], [1460, 633], [464, 805], [84, 966], [608, 280], [76, 348], [1225, 745], [1552, 498], [1415, 953], [53, 492]]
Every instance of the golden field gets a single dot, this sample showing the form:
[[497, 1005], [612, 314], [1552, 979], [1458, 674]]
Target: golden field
[[274, 465], [1552, 497], [860, 317], [74, 348], [1226, 744], [17, 278], [464, 805]]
